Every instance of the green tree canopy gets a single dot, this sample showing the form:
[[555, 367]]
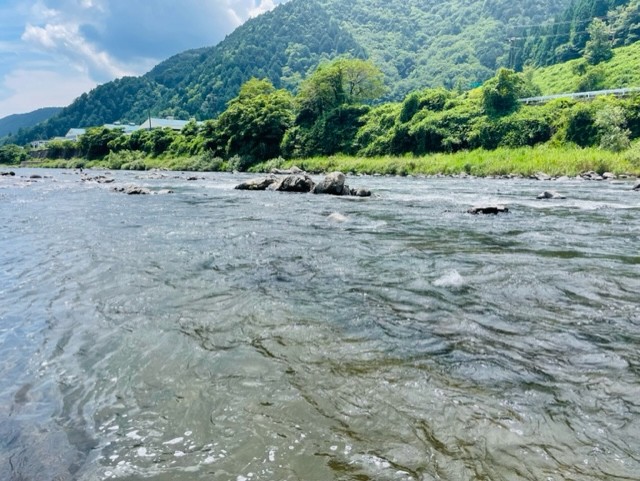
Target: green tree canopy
[[253, 124], [342, 81], [500, 94], [598, 48]]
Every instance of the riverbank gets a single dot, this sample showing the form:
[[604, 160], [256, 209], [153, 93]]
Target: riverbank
[[526, 161]]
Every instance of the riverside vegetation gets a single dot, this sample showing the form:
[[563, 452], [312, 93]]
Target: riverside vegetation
[[330, 125]]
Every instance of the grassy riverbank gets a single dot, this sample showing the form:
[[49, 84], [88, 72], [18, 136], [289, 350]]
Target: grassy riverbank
[[523, 161]]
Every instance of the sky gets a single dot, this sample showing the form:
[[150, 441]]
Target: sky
[[51, 51]]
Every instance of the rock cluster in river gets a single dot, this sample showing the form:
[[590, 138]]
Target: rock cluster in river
[[295, 180]]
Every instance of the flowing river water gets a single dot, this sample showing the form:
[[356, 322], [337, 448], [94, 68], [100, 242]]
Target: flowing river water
[[213, 334]]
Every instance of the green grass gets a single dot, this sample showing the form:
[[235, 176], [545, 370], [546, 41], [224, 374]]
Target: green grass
[[621, 71], [523, 161], [556, 161]]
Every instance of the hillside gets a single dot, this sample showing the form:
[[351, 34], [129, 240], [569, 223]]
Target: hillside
[[12, 123], [621, 71], [451, 43]]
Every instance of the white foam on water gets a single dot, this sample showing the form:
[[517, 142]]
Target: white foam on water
[[450, 279], [173, 441]]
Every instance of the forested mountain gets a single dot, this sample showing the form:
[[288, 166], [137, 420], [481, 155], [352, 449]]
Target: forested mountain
[[12, 123], [417, 44], [566, 36]]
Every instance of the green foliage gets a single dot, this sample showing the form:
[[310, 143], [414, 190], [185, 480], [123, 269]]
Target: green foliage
[[12, 154], [501, 93], [580, 126], [253, 125], [611, 123], [94, 144], [342, 81], [598, 47], [592, 79], [62, 149]]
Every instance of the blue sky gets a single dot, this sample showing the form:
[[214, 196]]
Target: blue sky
[[51, 51]]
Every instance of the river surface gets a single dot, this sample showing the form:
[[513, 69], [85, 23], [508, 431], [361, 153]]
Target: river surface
[[213, 334]]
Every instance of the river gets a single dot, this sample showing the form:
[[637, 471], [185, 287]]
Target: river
[[214, 334]]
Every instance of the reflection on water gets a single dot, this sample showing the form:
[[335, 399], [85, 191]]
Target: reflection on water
[[217, 334]]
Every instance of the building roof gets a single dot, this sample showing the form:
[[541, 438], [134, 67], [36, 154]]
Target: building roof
[[74, 133], [156, 123], [126, 128]]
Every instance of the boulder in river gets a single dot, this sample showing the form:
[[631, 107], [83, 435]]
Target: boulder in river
[[293, 183], [488, 209], [132, 190], [637, 186], [257, 184], [333, 184], [7, 174], [550, 194]]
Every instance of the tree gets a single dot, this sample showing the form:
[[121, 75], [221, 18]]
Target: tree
[[343, 81], [611, 123], [12, 154], [500, 94], [253, 124], [598, 48]]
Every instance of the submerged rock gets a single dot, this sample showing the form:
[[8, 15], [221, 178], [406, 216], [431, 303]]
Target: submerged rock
[[257, 184], [293, 183], [7, 174], [337, 218], [361, 192], [132, 190], [551, 194], [637, 186], [488, 209]]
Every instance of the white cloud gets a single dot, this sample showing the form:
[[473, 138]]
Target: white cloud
[[65, 41], [32, 89]]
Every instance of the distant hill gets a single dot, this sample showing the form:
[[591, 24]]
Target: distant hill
[[12, 123], [417, 44]]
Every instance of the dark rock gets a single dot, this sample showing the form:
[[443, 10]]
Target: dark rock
[[488, 209], [293, 183], [132, 190], [192, 178], [7, 174], [333, 184], [637, 186], [35, 176], [551, 194], [361, 192], [257, 184]]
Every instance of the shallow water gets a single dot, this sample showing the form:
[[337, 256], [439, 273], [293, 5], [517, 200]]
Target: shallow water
[[224, 335]]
